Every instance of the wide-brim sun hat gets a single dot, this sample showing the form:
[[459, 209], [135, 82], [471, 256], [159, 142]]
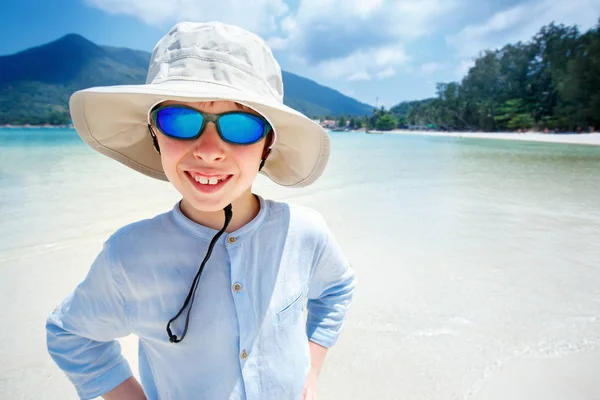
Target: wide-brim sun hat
[[202, 62]]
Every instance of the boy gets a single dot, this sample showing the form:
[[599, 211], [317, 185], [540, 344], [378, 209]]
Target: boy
[[215, 288]]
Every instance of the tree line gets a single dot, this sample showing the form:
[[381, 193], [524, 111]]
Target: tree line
[[551, 82]]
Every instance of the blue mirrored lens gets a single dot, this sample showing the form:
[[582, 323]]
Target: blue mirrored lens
[[241, 128], [179, 122]]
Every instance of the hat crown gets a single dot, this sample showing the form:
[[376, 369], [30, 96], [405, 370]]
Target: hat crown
[[217, 53]]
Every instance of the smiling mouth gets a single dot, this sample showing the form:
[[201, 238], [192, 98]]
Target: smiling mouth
[[208, 181], [207, 184]]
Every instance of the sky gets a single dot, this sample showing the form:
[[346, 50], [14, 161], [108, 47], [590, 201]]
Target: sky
[[380, 52]]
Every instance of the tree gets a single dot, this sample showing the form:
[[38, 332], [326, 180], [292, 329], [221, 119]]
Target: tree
[[386, 122], [552, 81], [580, 93], [355, 123], [521, 121], [507, 112], [402, 122]]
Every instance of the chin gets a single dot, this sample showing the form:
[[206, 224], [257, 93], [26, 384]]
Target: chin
[[207, 203]]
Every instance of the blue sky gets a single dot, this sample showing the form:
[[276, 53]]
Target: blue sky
[[383, 51]]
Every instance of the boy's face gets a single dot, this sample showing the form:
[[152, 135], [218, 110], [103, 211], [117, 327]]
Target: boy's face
[[189, 164]]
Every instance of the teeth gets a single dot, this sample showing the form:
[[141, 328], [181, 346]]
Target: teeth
[[207, 181]]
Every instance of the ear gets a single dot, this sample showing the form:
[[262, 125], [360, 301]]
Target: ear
[[264, 159], [267, 149], [154, 140]]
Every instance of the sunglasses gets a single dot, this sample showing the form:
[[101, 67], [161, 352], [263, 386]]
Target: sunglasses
[[186, 123]]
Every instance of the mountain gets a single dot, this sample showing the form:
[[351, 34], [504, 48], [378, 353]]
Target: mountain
[[36, 83]]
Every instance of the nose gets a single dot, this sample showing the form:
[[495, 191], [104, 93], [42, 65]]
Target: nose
[[209, 147]]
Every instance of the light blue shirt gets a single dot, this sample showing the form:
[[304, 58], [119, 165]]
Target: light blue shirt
[[248, 337]]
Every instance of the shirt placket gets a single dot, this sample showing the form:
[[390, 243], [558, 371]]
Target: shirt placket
[[240, 292]]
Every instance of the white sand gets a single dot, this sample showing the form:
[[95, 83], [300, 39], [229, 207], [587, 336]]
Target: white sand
[[478, 277], [587, 138], [573, 376]]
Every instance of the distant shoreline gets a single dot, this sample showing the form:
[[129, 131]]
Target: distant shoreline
[[27, 126], [592, 139]]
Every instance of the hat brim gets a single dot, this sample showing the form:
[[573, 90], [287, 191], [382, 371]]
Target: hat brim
[[113, 120]]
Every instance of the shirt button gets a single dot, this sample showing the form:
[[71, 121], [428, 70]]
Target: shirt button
[[231, 239], [237, 287], [244, 355]]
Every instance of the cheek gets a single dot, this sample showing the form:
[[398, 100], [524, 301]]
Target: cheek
[[171, 151], [248, 157]]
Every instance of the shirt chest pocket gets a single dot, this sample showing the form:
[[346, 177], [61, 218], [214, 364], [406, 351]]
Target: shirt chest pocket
[[291, 308]]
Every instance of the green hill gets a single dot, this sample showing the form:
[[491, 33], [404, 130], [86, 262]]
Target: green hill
[[35, 84]]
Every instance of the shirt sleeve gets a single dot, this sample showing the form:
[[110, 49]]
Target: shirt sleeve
[[81, 332], [329, 295]]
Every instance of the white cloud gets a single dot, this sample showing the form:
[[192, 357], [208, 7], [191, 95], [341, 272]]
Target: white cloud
[[288, 25], [360, 76], [277, 43], [386, 73], [258, 16], [364, 65], [367, 6], [357, 39], [521, 22], [430, 67], [364, 75], [324, 39]]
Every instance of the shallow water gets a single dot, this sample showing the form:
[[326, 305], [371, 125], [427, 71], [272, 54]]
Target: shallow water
[[469, 253]]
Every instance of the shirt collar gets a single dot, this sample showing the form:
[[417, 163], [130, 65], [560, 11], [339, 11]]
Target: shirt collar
[[205, 233]]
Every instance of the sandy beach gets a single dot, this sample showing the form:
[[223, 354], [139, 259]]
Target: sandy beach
[[572, 376], [584, 138]]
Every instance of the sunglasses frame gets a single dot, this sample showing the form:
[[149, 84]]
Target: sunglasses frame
[[206, 118]]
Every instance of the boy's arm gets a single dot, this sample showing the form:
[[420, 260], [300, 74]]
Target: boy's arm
[[128, 390], [317, 356], [81, 332], [329, 295]]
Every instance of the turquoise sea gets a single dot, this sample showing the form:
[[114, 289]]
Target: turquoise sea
[[470, 254]]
